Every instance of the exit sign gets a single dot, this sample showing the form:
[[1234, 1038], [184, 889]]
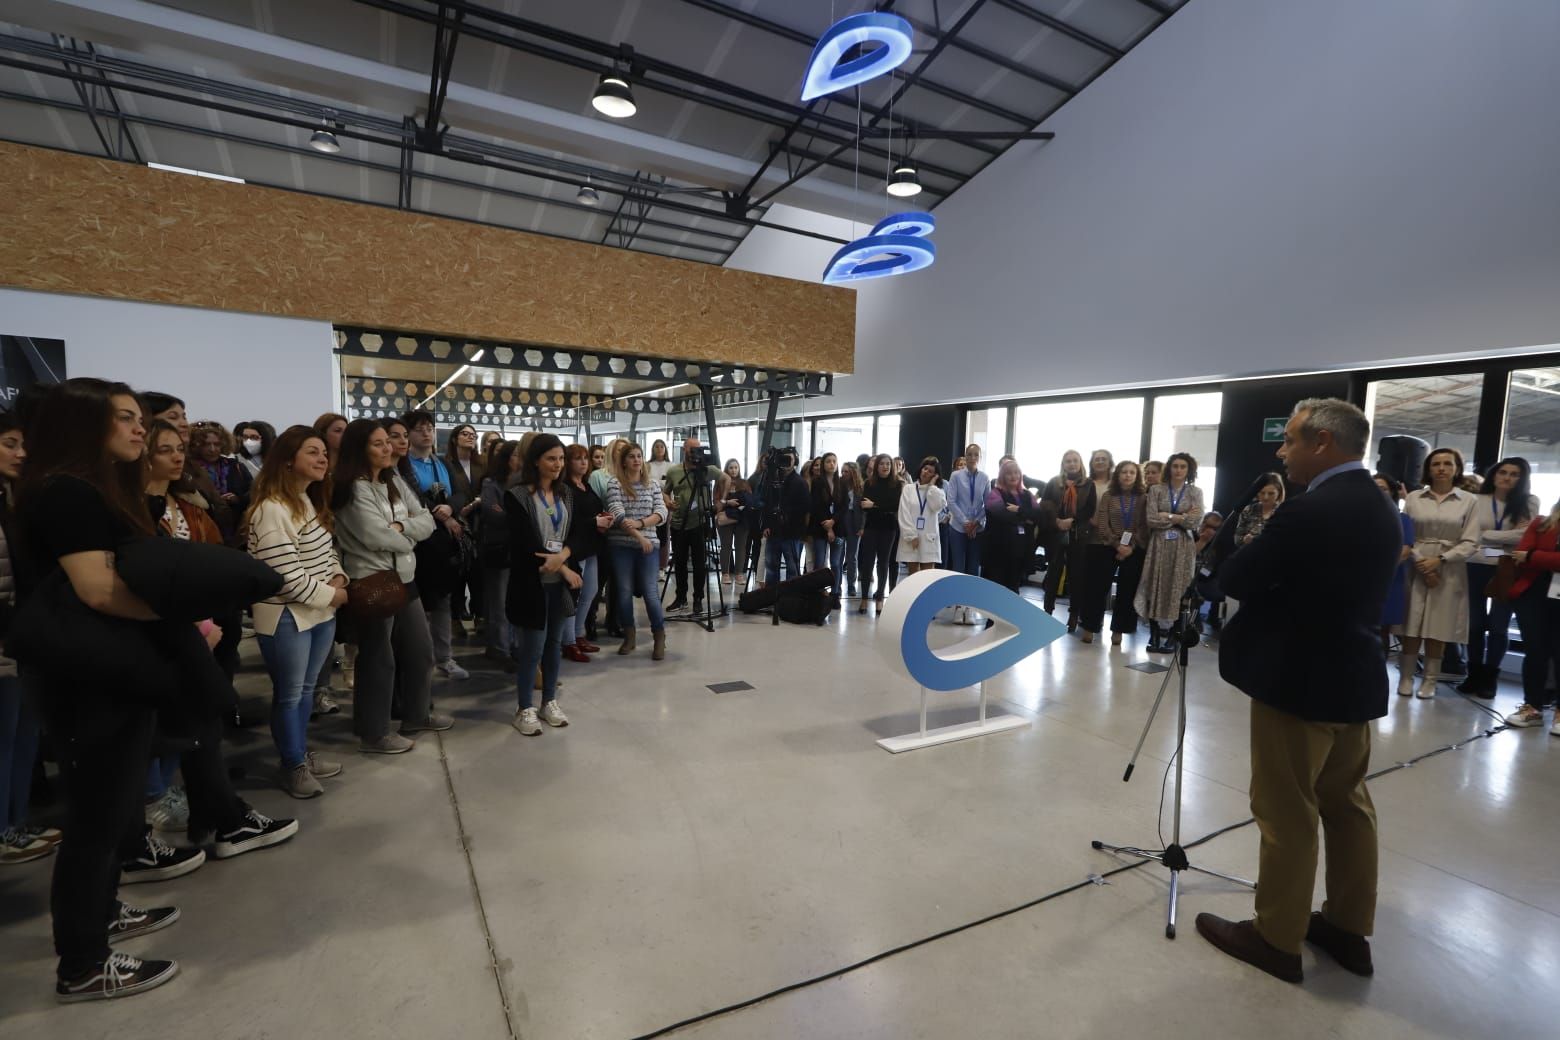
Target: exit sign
[[1273, 429]]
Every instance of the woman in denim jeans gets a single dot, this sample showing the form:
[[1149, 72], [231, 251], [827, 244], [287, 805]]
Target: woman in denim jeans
[[544, 535], [290, 531], [593, 522], [634, 501]]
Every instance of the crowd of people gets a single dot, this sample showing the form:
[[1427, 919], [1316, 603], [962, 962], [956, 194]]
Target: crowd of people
[[383, 546]]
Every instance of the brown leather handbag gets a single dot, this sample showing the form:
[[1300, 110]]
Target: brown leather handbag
[[1499, 587], [376, 597]]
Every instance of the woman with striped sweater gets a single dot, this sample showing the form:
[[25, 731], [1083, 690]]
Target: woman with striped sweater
[[290, 531]]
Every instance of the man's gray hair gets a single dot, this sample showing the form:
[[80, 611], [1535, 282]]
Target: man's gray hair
[[1347, 424]]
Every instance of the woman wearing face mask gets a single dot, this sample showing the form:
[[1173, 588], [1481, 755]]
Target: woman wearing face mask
[[1175, 512], [1071, 495], [379, 521], [1505, 507], [545, 526], [253, 440], [290, 531], [1446, 535]]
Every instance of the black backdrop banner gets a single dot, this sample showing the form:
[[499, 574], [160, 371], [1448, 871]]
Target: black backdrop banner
[[26, 362]]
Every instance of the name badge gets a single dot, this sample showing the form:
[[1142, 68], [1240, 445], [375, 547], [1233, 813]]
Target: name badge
[[1206, 573], [1126, 537], [552, 545], [920, 523], [1492, 552], [1172, 534], [1020, 528]]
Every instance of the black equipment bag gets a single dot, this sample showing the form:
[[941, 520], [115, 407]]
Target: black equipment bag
[[814, 583], [804, 608]]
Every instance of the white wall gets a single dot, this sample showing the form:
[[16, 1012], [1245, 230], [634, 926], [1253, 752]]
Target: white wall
[[787, 255], [1262, 186], [226, 366]]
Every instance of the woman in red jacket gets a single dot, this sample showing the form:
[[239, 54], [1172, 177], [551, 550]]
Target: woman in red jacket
[[1538, 615]]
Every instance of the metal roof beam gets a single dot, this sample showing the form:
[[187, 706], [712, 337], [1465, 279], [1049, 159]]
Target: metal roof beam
[[1066, 29]]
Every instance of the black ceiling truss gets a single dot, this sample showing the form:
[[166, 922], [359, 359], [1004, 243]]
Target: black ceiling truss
[[391, 345], [386, 134], [100, 104], [1064, 28], [446, 35]]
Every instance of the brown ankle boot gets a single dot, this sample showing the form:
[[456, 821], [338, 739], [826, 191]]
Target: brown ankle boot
[[658, 653], [629, 638]]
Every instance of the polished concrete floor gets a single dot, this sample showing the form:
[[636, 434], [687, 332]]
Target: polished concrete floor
[[675, 851]]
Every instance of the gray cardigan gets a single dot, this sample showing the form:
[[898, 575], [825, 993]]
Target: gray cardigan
[[366, 541]]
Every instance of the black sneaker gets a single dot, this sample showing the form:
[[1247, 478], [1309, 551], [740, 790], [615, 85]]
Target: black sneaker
[[133, 921], [120, 976], [677, 604], [160, 862], [256, 832]]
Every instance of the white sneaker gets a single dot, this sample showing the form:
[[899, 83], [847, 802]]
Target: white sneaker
[[450, 670], [553, 715], [1405, 685], [527, 722], [170, 813], [1554, 731], [1527, 715]]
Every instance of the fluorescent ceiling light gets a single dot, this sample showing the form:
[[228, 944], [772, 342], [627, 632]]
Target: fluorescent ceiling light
[[195, 173], [458, 373]]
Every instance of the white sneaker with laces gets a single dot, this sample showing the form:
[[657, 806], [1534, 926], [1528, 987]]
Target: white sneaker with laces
[[553, 715], [527, 722], [450, 670], [170, 813], [1525, 716]]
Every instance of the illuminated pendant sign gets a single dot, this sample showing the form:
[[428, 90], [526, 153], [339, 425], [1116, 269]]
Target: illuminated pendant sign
[[826, 73], [897, 245]]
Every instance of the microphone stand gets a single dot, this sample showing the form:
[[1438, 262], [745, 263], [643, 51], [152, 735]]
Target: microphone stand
[[1173, 856]]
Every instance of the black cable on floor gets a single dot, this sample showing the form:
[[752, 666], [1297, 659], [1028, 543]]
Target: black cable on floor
[[1088, 882]]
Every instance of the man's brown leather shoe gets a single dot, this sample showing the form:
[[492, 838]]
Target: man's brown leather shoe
[[1241, 940], [1350, 950]]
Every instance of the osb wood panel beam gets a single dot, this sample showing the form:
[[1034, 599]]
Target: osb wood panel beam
[[74, 224]]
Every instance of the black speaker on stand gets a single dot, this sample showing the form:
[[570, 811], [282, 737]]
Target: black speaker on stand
[[1402, 457]]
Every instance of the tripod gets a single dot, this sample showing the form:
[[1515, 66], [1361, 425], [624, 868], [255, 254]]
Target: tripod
[[1173, 856], [708, 548]]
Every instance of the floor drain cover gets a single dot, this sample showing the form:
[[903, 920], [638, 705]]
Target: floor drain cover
[[729, 687]]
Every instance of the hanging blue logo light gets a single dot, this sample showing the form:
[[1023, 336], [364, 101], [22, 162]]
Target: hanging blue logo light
[[897, 245], [826, 73]]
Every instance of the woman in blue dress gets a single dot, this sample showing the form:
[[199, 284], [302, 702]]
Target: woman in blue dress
[[1396, 605]]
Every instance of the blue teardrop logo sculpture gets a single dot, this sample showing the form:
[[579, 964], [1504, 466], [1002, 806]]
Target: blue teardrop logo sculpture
[[1020, 629], [898, 244], [826, 73]]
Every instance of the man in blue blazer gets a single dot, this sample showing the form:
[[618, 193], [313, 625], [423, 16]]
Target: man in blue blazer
[[1305, 647]]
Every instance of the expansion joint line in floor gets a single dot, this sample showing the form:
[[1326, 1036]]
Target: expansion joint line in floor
[[476, 892], [1091, 881]]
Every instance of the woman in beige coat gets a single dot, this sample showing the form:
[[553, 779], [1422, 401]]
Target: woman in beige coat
[[1446, 535]]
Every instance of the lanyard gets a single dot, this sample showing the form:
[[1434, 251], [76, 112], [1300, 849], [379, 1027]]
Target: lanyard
[[1128, 506], [973, 496], [1495, 512], [554, 512], [1175, 499], [921, 493]]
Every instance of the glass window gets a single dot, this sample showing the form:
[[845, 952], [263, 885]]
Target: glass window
[[1189, 423], [739, 441], [845, 435], [1532, 428], [988, 428], [1441, 411], [888, 434], [1043, 432]]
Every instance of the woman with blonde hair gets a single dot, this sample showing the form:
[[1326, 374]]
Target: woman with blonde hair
[[637, 511], [290, 531], [1071, 494]]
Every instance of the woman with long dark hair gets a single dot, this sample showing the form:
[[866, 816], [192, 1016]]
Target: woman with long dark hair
[[920, 506], [880, 504], [493, 548], [637, 509], [592, 521], [735, 527], [826, 520], [1115, 555], [854, 520], [1270, 495], [466, 471], [544, 533], [1446, 535], [329, 428], [379, 521], [252, 440], [289, 526], [1505, 506]]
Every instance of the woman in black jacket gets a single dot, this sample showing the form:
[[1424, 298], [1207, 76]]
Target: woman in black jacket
[[880, 504], [544, 534], [591, 546], [1071, 496], [826, 520], [493, 547], [1014, 522]]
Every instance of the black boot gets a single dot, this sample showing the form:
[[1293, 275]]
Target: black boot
[[1474, 685]]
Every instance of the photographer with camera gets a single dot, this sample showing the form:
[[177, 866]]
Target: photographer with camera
[[686, 491], [785, 501]]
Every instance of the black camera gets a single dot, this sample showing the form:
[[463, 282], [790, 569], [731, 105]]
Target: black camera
[[696, 457]]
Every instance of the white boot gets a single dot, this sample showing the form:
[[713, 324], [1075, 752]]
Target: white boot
[[1406, 674], [1427, 685]]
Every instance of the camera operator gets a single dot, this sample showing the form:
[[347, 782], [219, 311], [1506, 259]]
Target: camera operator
[[785, 504], [686, 491], [1315, 580]]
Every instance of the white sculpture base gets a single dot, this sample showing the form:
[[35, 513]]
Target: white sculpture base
[[948, 734]]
